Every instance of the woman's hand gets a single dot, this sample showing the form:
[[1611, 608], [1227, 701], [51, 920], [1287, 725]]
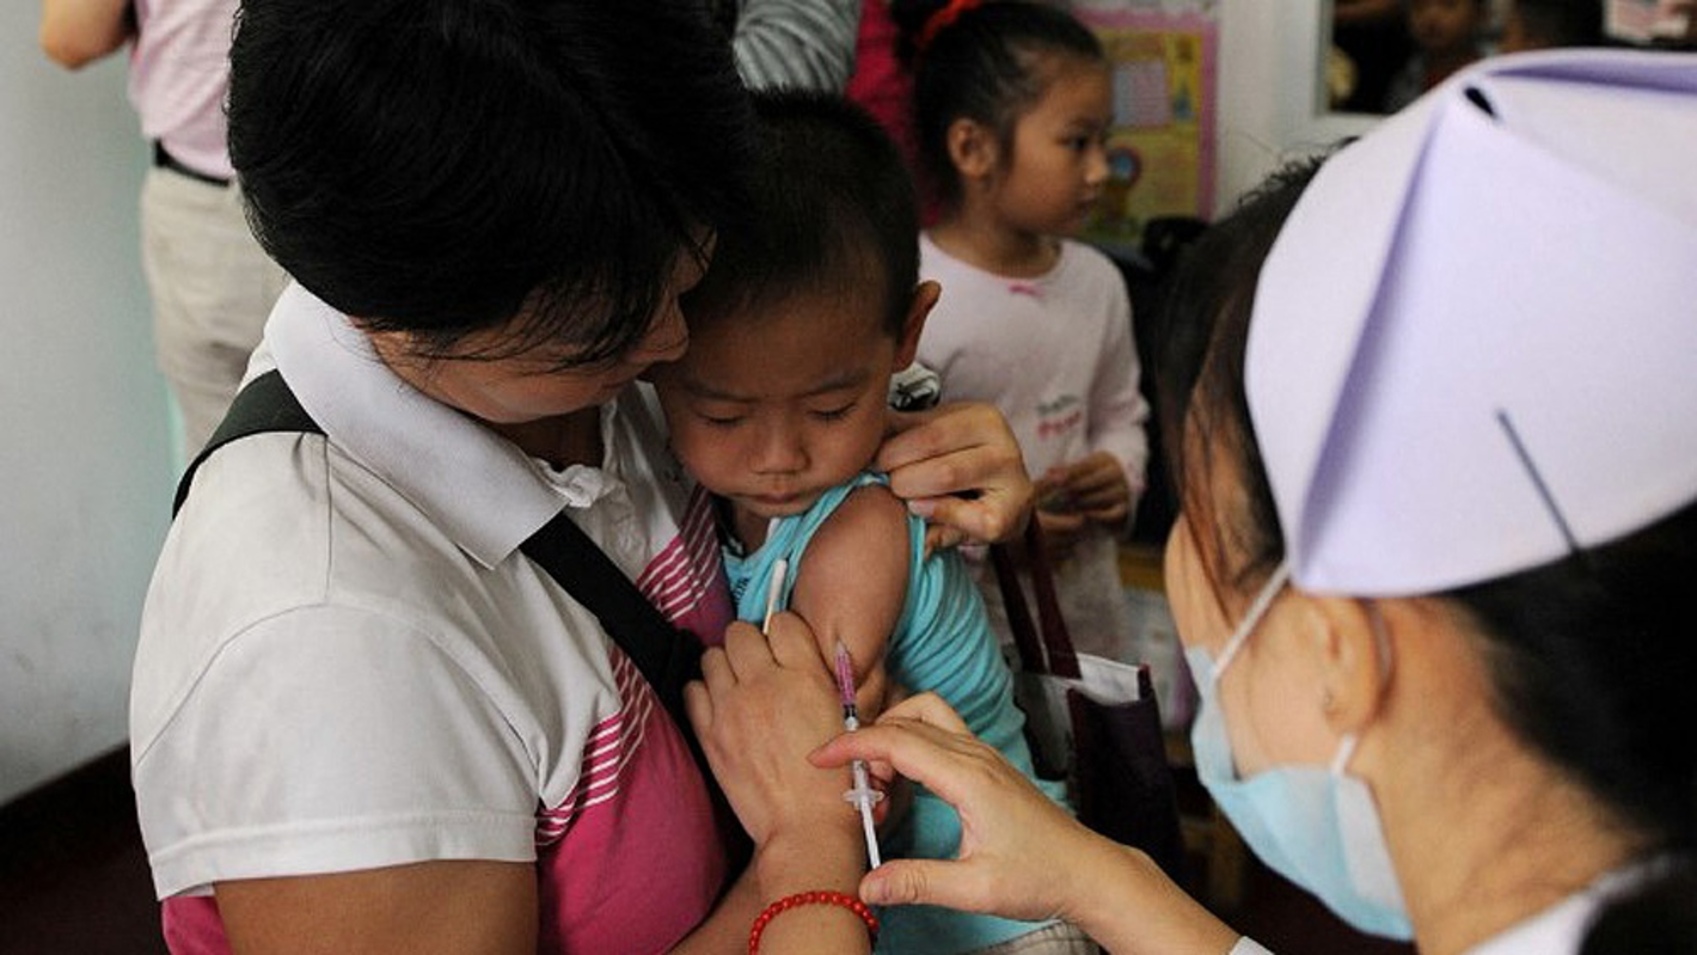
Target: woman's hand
[[959, 467], [764, 702], [1019, 851]]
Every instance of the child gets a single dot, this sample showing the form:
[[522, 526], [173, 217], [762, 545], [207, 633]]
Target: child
[[1012, 103], [1446, 38], [778, 408]]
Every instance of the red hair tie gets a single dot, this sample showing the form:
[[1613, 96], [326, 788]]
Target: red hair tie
[[942, 20]]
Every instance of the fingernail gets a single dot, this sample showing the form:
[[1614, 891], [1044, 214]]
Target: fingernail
[[922, 507]]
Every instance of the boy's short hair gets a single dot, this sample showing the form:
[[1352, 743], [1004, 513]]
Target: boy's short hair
[[832, 211], [439, 167]]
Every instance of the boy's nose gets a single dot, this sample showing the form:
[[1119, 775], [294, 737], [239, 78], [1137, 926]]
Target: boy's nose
[[779, 451]]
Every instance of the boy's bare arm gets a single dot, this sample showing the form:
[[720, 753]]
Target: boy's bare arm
[[852, 584]]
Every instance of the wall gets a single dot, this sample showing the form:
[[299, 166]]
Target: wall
[[88, 464], [1269, 88]]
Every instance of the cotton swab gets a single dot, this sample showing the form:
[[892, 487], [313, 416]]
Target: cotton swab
[[774, 589]]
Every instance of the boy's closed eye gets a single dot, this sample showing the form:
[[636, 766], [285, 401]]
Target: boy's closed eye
[[721, 420], [715, 418], [833, 414]]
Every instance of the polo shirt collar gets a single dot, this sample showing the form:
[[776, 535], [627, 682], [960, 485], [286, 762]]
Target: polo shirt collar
[[484, 492]]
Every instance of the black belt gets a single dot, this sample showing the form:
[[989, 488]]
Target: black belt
[[165, 160]]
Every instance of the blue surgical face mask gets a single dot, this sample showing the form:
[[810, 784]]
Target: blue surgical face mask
[[1317, 827]]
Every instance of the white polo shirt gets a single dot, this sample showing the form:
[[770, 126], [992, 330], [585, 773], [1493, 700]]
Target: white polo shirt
[[346, 663]]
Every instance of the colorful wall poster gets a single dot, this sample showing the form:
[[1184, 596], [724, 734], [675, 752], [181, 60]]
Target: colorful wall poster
[[1161, 145]]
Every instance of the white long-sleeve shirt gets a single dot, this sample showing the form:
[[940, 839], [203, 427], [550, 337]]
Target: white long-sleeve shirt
[[1055, 353]]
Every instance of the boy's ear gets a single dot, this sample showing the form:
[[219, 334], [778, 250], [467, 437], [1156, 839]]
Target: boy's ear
[[924, 299], [972, 148]]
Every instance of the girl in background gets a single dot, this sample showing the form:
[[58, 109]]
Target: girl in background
[[1012, 102]]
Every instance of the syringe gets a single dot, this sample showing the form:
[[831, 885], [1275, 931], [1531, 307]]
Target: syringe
[[863, 796]]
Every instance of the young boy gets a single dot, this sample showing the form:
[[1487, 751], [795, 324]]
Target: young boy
[[778, 409]]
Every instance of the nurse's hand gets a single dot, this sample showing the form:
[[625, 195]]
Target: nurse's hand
[[958, 466], [1017, 847], [1021, 856]]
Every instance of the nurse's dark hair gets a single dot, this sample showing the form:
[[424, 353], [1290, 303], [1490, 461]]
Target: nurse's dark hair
[[438, 167], [1591, 658], [982, 65], [831, 212]]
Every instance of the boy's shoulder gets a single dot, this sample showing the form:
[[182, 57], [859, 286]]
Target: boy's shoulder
[[868, 512], [867, 534]]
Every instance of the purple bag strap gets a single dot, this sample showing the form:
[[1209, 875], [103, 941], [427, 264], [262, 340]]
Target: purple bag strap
[[1048, 649]]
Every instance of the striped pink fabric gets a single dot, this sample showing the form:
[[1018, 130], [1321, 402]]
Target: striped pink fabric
[[686, 580], [611, 747]]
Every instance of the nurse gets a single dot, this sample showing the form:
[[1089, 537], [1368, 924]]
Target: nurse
[[1439, 483]]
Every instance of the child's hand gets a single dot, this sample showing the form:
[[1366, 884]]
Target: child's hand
[[1095, 487], [1062, 528]]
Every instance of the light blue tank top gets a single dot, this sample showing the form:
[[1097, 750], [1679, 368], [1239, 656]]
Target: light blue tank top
[[942, 643]]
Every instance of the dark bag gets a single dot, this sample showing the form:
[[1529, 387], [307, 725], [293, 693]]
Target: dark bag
[[1091, 721]]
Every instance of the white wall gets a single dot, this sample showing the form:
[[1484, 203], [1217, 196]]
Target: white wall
[[84, 423], [1269, 88]]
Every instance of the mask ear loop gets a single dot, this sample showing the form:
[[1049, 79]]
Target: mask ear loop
[[1382, 642], [1257, 609]]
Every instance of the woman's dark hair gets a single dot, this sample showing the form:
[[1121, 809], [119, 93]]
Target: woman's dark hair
[[831, 211], [981, 66], [1591, 657], [439, 167]]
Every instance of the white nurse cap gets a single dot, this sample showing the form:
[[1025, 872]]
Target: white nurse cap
[[1474, 345]]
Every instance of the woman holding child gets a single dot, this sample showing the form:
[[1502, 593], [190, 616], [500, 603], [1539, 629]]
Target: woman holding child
[[362, 718]]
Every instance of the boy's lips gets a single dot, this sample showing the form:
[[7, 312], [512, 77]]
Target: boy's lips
[[780, 503]]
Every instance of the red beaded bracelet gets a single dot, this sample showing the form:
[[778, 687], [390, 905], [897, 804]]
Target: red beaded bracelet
[[810, 898]]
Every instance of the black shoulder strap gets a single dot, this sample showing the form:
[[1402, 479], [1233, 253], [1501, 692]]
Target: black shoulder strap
[[264, 404], [666, 657]]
